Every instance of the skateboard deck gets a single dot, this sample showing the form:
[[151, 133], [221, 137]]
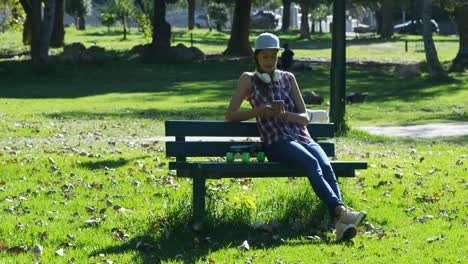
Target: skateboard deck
[[245, 152]]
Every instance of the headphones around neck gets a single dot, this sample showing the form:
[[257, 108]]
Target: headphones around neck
[[265, 77]]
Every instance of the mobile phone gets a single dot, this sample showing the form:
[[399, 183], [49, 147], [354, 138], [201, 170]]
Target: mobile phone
[[278, 104]]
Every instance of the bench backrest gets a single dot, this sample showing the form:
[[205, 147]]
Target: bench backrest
[[181, 148]]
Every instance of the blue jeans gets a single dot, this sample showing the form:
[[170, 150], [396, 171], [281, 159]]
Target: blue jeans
[[316, 165]]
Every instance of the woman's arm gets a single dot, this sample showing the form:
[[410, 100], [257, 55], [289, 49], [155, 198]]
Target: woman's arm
[[301, 116], [242, 91]]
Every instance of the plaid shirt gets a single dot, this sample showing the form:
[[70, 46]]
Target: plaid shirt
[[274, 129]]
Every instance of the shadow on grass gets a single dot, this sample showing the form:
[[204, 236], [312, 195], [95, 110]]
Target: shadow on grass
[[187, 113], [112, 32], [212, 80], [122, 73], [172, 238], [111, 164]]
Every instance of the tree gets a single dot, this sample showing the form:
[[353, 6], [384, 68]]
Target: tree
[[239, 40], [124, 10], [13, 14], [107, 18], [41, 30], [161, 29], [319, 13], [58, 31], [305, 7], [286, 15], [461, 19], [79, 9], [218, 13], [458, 10], [27, 26], [191, 14], [144, 17], [386, 26], [432, 60]]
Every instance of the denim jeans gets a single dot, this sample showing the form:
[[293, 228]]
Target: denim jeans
[[314, 161]]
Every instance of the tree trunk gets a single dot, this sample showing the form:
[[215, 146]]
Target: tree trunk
[[191, 14], [35, 31], [320, 27], [27, 30], [46, 30], [386, 30], [305, 32], [124, 22], [81, 22], [312, 27], [461, 19], [27, 27], [58, 32], [286, 15], [161, 29], [432, 60], [239, 40]]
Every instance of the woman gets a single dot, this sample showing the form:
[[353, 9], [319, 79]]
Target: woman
[[282, 118]]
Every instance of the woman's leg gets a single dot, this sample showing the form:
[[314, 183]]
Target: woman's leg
[[345, 215], [297, 155], [326, 167]]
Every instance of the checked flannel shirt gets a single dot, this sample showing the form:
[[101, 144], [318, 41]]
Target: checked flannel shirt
[[274, 129]]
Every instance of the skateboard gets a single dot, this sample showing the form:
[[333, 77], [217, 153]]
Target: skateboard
[[245, 152]]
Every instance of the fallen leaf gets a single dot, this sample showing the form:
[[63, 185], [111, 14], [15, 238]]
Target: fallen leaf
[[92, 222], [18, 249], [314, 238], [245, 246], [3, 247], [37, 250], [90, 209], [60, 252]]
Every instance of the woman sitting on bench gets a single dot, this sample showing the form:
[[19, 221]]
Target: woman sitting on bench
[[282, 120]]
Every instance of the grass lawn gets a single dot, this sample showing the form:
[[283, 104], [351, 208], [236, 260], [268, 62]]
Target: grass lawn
[[319, 46], [82, 177]]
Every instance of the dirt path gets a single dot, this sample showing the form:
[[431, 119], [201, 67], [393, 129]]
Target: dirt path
[[420, 131]]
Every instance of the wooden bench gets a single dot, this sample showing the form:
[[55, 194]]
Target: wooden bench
[[234, 133]]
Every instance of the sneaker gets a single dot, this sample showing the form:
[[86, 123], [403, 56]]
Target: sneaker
[[351, 217], [344, 231]]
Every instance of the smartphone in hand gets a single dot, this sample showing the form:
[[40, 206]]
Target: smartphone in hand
[[278, 105]]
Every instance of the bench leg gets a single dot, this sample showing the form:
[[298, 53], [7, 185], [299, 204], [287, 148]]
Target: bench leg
[[199, 190]]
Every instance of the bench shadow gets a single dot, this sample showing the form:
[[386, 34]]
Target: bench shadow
[[109, 163], [166, 242]]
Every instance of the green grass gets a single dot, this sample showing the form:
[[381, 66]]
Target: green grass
[[78, 142], [319, 46], [47, 185], [128, 90]]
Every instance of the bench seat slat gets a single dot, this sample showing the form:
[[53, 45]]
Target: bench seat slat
[[214, 128], [218, 148], [216, 170]]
